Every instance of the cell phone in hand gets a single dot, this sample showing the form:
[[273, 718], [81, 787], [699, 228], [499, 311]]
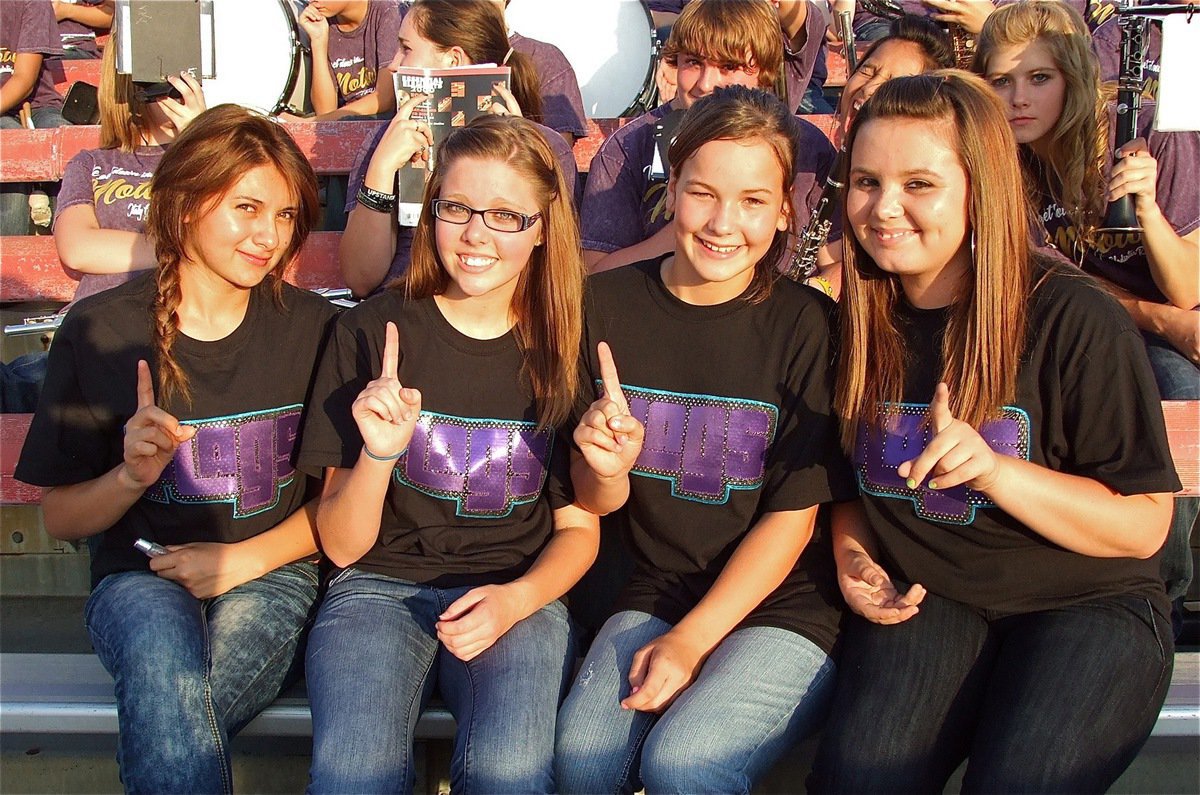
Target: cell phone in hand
[[149, 548]]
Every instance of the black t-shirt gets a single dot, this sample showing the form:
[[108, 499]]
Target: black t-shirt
[[470, 501], [736, 401], [1086, 405], [234, 479]]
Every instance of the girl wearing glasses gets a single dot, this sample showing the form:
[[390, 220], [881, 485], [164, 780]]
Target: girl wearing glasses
[[435, 34], [450, 507], [718, 656]]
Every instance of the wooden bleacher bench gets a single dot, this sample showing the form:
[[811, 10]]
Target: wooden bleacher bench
[[70, 695]]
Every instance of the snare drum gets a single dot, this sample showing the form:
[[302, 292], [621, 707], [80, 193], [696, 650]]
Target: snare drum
[[259, 60], [610, 44]]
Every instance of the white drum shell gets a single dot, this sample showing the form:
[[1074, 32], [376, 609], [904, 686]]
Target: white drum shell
[[610, 44], [257, 55]]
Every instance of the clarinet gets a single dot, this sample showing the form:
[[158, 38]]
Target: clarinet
[[804, 255], [1120, 216], [845, 29]]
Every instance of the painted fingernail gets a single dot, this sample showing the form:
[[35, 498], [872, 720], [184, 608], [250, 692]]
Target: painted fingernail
[[912, 484], [933, 484]]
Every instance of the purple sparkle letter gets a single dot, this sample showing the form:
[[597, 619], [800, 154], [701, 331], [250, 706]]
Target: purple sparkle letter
[[704, 445], [899, 432], [486, 466], [244, 460]]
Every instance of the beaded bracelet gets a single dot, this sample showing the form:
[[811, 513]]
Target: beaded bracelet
[[376, 200], [374, 457]]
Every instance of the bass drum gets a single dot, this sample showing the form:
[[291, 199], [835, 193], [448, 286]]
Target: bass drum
[[610, 44], [259, 58]]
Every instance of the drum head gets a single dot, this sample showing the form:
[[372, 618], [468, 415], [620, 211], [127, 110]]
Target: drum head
[[610, 44], [257, 53]]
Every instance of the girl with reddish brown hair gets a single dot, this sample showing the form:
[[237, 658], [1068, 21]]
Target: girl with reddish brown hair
[[169, 415]]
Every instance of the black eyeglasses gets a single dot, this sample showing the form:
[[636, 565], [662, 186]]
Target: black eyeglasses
[[499, 220]]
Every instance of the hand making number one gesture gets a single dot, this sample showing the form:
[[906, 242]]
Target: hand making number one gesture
[[609, 437], [385, 411], [956, 454], [151, 436]]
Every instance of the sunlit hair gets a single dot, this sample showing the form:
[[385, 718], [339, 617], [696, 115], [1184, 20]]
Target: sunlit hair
[[737, 113], [1077, 151], [930, 39], [548, 302], [122, 113], [985, 336], [733, 32], [479, 29], [207, 159]]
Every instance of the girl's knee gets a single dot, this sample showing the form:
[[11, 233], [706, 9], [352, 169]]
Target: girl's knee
[[671, 763]]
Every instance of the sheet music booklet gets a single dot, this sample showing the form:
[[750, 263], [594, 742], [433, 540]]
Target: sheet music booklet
[[456, 96]]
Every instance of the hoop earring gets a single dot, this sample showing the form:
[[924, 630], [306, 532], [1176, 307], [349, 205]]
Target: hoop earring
[[972, 246]]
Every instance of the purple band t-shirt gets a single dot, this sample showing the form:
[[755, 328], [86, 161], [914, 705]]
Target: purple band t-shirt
[[798, 67], [562, 104], [357, 56], [117, 186], [27, 26], [1120, 257], [78, 36]]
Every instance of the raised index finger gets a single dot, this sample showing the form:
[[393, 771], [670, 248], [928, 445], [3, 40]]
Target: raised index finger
[[145, 386], [939, 409], [609, 378], [391, 351]]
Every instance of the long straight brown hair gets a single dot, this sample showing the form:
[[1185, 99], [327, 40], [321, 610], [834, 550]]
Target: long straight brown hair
[[985, 337], [548, 302], [205, 161], [122, 113]]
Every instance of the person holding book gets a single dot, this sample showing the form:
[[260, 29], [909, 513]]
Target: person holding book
[[435, 34], [166, 429], [448, 507], [104, 199]]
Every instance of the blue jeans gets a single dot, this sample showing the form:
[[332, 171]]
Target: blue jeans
[[1177, 379], [373, 662], [1053, 701], [190, 673], [762, 690]]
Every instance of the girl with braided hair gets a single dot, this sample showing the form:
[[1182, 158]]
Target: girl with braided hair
[[169, 414]]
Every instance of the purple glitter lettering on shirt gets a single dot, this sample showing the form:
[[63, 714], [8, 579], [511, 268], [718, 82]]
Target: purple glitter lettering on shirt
[[703, 444], [900, 432], [244, 460], [486, 466]]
